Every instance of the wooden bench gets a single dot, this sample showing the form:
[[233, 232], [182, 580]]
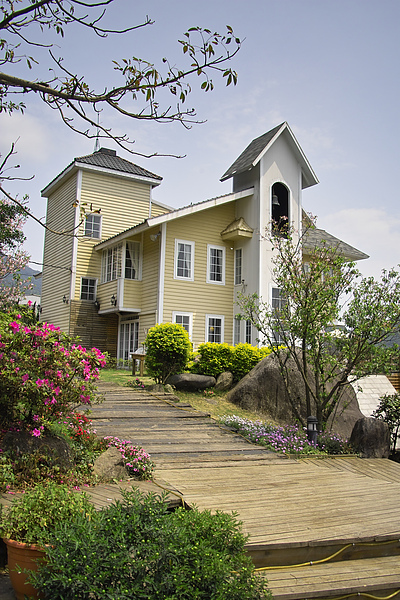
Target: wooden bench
[[140, 358]]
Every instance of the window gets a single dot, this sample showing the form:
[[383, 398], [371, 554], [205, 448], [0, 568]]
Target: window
[[215, 328], [111, 263], [132, 260], [128, 338], [236, 331], [185, 319], [88, 289], [184, 260], [216, 264], [248, 332], [238, 266], [280, 208], [92, 226], [278, 302]]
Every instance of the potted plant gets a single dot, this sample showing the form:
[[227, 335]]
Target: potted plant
[[29, 524]]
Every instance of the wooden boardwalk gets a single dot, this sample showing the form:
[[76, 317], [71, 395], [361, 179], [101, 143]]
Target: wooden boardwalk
[[294, 511]]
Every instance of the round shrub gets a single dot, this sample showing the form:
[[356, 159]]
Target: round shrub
[[213, 359], [167, 350], [138, 549]]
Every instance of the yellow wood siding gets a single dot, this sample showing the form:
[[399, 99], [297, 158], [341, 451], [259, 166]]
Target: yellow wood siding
[[132, 294], [146, 321], [57, 256], [198, 296], [150, 273]]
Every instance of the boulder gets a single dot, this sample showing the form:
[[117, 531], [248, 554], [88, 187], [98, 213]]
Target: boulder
[[55, 450], [110, 465], [371, 438], [191, 382], [263, 391], [224, 381]]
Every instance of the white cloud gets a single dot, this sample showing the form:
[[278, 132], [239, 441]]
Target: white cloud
[[373, 231]]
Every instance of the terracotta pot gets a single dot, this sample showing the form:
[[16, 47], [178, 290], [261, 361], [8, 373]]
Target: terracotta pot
[[20, 557]]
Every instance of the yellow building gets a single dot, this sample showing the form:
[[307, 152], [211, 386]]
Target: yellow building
[[135, 262]]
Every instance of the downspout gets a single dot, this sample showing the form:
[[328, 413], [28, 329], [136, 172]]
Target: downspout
[[150, 199], [75, 242], [161, 274]]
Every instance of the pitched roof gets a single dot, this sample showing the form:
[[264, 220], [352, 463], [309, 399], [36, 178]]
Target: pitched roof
[[105, 160], [108, 159], [315, 237], [249, 155], [257, 148]]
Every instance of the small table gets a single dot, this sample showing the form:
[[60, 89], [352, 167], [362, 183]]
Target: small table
[[140, 358]]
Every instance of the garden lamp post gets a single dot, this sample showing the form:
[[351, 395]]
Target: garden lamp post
[[312, 429]]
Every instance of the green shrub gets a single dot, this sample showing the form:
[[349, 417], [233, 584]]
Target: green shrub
[[34, 516], [167, 350], [389, 411], [214, 359], [137, 549]]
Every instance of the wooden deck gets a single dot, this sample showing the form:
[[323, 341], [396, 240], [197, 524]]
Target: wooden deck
[[294, 511]]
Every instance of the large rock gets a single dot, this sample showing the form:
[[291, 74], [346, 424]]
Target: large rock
[[371, 438], [191, 382], [224, 381], [54, 450], [110, 465], [263, 391]]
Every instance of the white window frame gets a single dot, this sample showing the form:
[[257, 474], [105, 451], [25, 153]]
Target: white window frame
[[236, 331], [209, 279], [138, 271], [238, 266], [191, 275], [95, 289], [181, 313], [281, 302], [111, 263], [92, 230], [222, 318], [248, 331]]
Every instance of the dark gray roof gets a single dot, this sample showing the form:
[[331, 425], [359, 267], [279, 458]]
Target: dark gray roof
[[248, 156], [108, 159], [104, 159], [316, 237]]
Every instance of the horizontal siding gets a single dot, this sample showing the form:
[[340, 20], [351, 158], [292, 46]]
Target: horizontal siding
[[132, 294], [104, 293], [57, 258], [199, 297], [146, 321], [94, 330], [150, 272], [123, 203]]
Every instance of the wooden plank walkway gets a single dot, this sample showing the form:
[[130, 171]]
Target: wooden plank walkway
[[294, 511]]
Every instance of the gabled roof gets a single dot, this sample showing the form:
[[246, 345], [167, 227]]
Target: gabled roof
[[107, 161], [251, 156], [176, 214]]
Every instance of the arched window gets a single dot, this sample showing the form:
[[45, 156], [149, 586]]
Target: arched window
[[280, 208]]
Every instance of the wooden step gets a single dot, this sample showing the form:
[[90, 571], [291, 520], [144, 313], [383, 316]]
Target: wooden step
[[373, 577]]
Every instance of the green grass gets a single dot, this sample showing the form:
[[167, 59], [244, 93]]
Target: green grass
[[216, 405]]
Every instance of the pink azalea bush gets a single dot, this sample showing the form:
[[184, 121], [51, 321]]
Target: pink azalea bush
[[43, 373]]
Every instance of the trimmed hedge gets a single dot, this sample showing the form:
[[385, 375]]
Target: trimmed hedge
[[168, 349], [214, 359]]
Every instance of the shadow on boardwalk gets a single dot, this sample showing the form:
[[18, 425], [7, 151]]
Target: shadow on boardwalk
[[294, 511]]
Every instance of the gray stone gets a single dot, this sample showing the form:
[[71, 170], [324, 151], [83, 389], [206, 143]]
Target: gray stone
[[156, 388], [110, 465], [224, 381], [191, 382], [371, 438], [168, 389], [263, 391], [55, 450]]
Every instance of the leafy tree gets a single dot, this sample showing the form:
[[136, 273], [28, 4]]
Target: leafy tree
[[167, 350], [139, 93], [12, 257], [389, 411], [313, 299]]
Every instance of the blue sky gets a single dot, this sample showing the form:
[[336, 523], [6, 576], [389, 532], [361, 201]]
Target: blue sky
[[328, 67]]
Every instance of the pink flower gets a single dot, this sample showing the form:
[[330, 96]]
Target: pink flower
[[15, 326], [36, 432], [25, 377], [29, 302]]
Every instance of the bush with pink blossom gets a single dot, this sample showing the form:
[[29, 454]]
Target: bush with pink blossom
[[43, 373]]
